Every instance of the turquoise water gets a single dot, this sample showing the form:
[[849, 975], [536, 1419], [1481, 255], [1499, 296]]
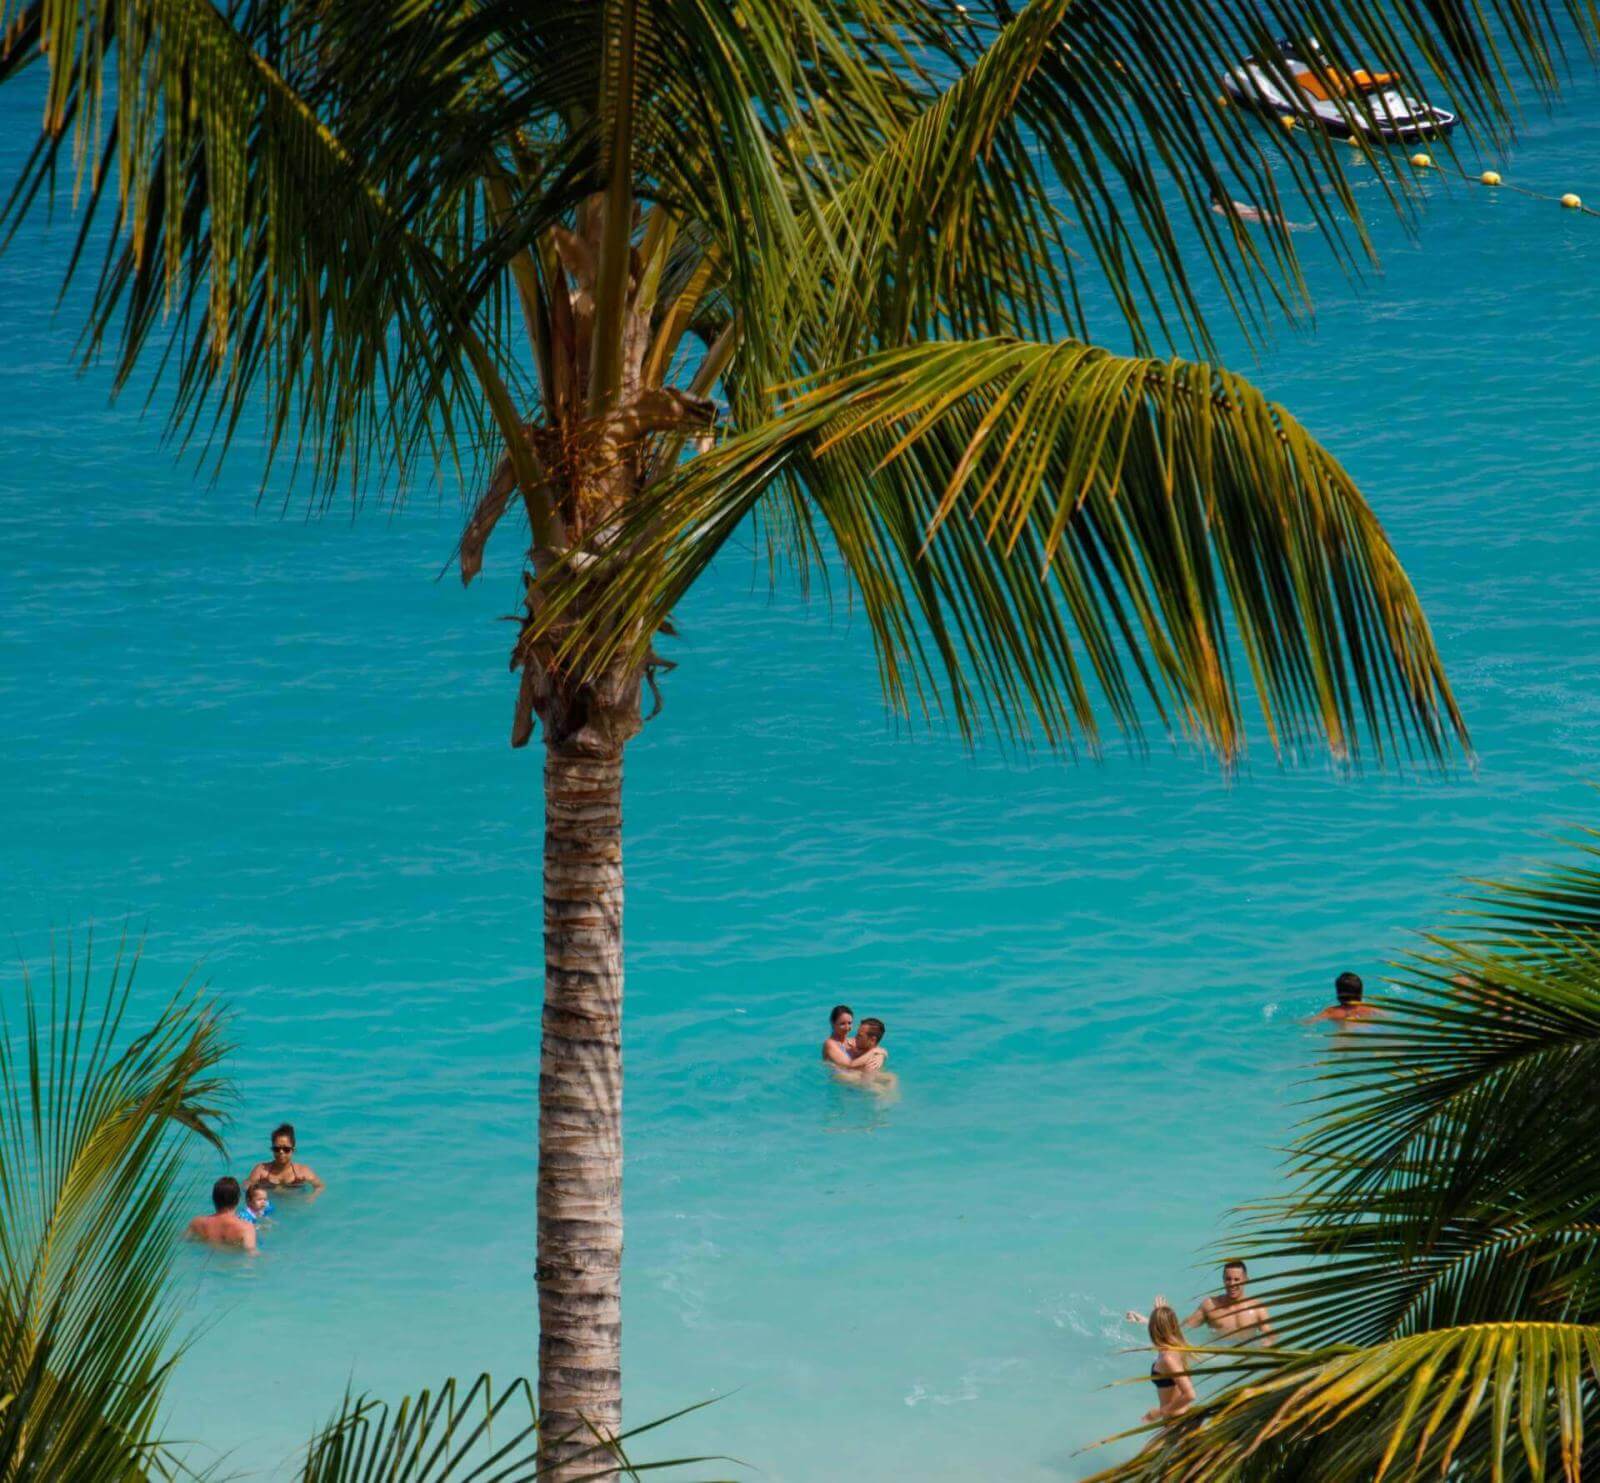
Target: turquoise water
[[280, 744]]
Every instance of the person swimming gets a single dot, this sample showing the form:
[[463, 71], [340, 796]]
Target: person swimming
[[282, 1172], [1349, 989], [257, 1206], [870, 1054], [224, 1228]]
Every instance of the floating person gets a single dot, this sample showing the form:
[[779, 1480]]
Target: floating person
[[257, 1205], [1244, 211], [839, 1048], [224, 1228], [1170, 1371], [282, 1172], [1349, 988], [1231, 1316]]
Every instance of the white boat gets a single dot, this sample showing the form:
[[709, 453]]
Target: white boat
[[1301, 83]]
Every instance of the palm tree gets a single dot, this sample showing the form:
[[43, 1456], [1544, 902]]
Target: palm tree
[[1442, 1288], [94, 1123], [834, 248]]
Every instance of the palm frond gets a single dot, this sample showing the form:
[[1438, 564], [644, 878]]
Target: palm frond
[[1450, 1171], [479, 1433], [1098, 127], [1497, 1400], [1051, 529], [92, 1126]]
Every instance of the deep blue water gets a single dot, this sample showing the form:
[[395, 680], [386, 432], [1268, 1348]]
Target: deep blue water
[[279, 745]]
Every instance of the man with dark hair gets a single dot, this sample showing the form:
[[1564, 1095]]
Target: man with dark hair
[[1231, 1316], [225, 1228], [869, 1042], [1349, 988]]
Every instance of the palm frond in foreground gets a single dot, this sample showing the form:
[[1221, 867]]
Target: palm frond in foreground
[[479, 1434], [1441, 1249], [93, 1125]]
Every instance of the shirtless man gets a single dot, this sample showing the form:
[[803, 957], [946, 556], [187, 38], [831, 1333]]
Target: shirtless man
[[1232, 1317], [224, 1228], [870, 1054], [1349, 988]]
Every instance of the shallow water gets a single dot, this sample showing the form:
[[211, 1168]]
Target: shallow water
[[280, 743]]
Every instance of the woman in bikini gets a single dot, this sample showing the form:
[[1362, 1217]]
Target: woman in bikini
[[1170, 1372], [282, 1172]]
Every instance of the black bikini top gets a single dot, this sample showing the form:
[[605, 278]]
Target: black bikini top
[[1162, 1382]]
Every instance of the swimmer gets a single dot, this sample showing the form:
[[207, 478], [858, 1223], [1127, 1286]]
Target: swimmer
[[257, 1207], [1244, 211], [1231, 1316], [283, 1172], [866, 1070], [1170, 1372], [870, 1054], [225, 1228], [1349, 988], [839, 1049]]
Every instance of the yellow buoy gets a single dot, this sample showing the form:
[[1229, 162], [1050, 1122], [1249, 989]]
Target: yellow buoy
[[1490, 177], [1287, 120], [1222, 100], [1422, 161], [1572, 202]]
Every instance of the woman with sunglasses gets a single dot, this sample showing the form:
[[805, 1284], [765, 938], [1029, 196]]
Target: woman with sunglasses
[[282, 1172]]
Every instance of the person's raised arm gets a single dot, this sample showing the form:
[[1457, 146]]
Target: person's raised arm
[[1201, 1315], [870, 1060]]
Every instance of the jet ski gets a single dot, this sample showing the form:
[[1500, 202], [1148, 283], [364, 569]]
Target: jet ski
[[1299, 82]]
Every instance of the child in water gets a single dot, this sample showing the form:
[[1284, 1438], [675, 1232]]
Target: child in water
[[257, 1207]]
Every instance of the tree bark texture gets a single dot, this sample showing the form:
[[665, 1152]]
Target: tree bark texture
[[579, 1269]]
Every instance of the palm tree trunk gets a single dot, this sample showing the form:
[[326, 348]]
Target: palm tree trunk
[[580, 1111]]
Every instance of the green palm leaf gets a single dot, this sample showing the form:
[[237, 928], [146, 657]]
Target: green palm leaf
[[1501, 1400], [1451, 1173], [480, 1433], [92, 1125], [1055, 521]]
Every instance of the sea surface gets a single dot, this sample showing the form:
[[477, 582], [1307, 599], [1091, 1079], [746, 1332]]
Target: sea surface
[[275, 745]]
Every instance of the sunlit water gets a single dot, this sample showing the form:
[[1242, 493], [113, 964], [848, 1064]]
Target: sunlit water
[[281, 744]]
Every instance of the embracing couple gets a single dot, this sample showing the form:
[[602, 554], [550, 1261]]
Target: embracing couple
[[860, 1052]]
